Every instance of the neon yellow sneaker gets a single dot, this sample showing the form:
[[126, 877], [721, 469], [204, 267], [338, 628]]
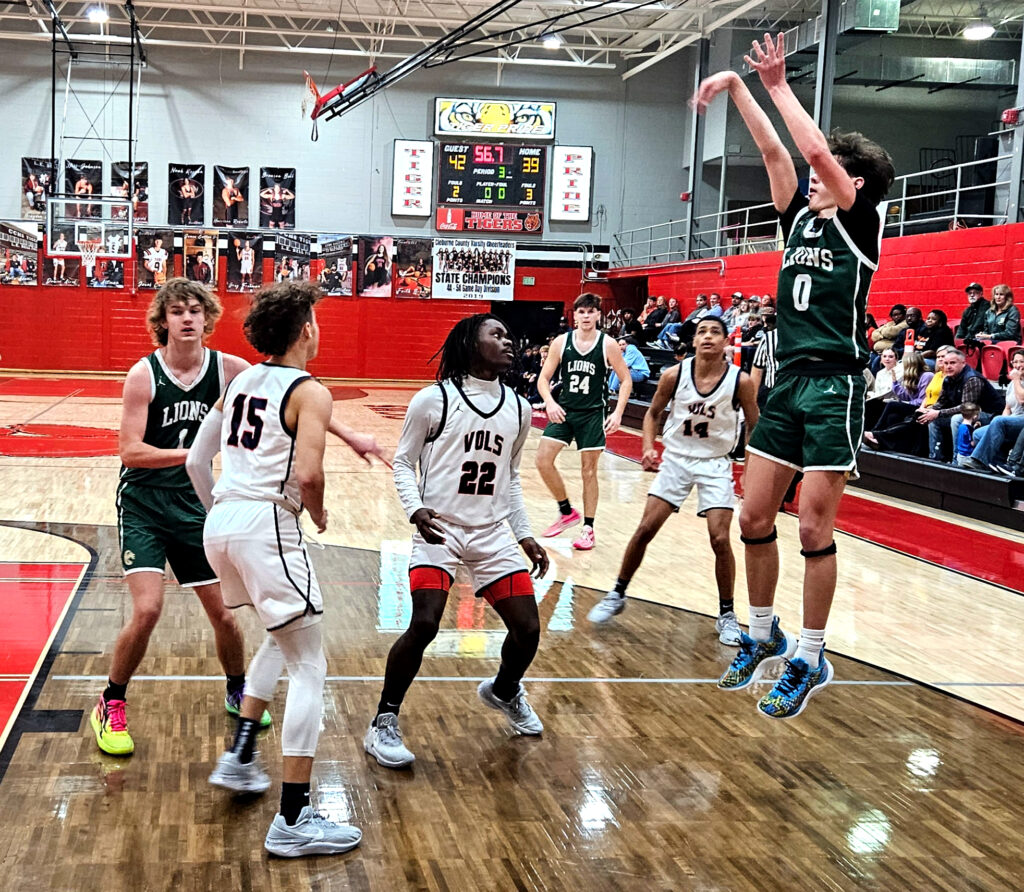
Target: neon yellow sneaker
[[110, 725], [233, 705]]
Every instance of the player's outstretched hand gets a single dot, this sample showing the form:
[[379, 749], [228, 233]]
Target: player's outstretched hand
[[709, 88], [556, 414], [365, 445], [428, 528], [769, 62], [650, 461], [320, 522], [612, 423], [537, 555]]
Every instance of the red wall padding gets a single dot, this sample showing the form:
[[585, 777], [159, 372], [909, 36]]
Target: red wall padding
[[930, 271]]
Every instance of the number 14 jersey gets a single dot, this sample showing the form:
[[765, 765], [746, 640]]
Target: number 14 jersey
[[703, 425]]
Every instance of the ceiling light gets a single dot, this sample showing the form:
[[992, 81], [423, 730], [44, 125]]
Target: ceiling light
[[981, 28], [552, 41], [98, 15]]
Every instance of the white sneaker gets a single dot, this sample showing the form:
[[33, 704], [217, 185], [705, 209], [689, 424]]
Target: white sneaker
[[518, 711], [610, 605], [239, 777], [728, 628], [311, 834], [383, 741]]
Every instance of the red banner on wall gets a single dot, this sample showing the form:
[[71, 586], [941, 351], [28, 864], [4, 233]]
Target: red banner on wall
[[462, 220]]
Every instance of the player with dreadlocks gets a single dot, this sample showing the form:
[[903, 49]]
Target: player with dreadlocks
[[466, 433]]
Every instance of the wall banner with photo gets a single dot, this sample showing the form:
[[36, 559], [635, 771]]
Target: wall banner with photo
[[36, 184], [62, 272], [120, 184], [155, 253], [201, 256], [19, 253], [292, 255], [231, 197], [336, 257], [186, 190], [277, 198], [82, 179], [107, 272], [373, 277], [473, 269], [245, 261], [412, 269]]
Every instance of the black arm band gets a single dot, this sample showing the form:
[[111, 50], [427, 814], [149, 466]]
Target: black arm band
[[821, 552], [764, 540]]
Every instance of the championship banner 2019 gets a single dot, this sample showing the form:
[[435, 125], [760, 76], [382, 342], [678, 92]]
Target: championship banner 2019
[[473, 269]]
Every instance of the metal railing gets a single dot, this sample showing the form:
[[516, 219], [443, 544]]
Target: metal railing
[[950, 197]]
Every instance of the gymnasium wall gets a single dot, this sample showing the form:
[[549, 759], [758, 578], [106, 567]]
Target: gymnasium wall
[[930, 271]]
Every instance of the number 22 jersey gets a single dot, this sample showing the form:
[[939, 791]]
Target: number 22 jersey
[[467, 438]]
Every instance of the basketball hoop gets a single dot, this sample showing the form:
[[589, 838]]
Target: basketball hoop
[[90, 249]]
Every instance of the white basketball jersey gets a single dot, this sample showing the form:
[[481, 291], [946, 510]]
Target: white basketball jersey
[[703, 425], [257, 450], [465, 465]]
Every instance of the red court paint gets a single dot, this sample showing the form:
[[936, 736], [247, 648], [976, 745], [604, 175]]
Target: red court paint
[[57, 440], [61, 387]]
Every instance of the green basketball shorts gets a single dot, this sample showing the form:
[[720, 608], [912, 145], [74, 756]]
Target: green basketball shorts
[[586, 427]]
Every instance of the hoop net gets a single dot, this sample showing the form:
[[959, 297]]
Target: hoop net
[[310, 97], [90, 249]]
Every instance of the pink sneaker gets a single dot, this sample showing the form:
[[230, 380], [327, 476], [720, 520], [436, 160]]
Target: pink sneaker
[[585, 541], [563, 523]]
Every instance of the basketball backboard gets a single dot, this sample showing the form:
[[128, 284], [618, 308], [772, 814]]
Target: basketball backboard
[[72, 221]]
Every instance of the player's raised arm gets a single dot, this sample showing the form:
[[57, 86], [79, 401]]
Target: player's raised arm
[[133, 451], [770, 64], [652, 418], [777, 160]]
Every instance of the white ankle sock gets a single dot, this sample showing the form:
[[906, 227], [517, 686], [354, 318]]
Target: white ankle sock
[[761, 622], [809, 648]]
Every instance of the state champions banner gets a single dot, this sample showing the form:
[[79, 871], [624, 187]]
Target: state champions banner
[[473, 269]]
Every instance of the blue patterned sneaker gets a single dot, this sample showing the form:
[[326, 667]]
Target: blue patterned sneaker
[[233, 706], [797, 685], [755, 656]]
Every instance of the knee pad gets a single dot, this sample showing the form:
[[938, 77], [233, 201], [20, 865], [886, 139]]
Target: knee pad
[[264, 670], [821, 552], [763, 540], [307, 669]]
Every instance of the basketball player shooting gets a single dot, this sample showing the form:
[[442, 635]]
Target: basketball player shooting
[[466, 433], [814, 416]]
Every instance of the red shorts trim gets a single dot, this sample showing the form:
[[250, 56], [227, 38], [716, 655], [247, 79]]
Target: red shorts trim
[[515, 585], [433, 578]]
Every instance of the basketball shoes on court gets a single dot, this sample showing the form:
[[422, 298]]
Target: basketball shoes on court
[[383, 741], [755, 656], [233, 705], [563, 523], [518, 711], [585, 540], [728, 628], [610, 605], [311, 834], [110, 724], [797, 684], [239, 777]]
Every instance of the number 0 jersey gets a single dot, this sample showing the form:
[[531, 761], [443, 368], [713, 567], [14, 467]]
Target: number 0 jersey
[[466, 438], [257, 448], [822, 294], [703, 425], [583, 376]]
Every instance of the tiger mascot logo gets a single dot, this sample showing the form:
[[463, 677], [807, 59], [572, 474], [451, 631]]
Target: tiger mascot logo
[[486, 116]]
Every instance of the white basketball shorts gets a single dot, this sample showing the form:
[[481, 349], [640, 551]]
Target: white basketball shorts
[[712, 477], [489, 553]]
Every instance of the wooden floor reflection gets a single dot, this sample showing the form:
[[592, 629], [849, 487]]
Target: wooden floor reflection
[[646, 777]]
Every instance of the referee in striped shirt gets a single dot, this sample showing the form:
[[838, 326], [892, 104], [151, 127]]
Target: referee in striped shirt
[[765, 364]]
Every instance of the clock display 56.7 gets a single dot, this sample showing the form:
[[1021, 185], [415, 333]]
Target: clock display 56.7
[[485, 175]]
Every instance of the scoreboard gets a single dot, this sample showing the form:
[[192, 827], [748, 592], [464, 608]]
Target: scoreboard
[[491, 175]]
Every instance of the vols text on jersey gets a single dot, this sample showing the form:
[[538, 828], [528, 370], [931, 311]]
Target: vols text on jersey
[[701, 408], [481, 441]]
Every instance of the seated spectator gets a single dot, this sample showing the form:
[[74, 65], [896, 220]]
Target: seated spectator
[[699, 311], [753, 334], [1005, 429], [639, 371], [915, 320], [672, 317], [897, 429], [652, 325], [886, 336], [970, 413], [733, 310], [889, 372], [649, 307], [715, 305], [974, 315], [1002, 320], [937, 333], [961, 384], [631, 327]]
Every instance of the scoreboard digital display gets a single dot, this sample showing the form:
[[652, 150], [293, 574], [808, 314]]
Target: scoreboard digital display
[[491, 175]]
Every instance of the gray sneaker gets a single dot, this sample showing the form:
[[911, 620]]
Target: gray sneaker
[[311, 834], [728, 629], [238, 777], [518, 711], [610, 605], [383, 741]]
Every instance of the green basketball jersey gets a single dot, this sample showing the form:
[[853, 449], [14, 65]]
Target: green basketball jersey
[[823, 290], [583, 376], [175, 413]]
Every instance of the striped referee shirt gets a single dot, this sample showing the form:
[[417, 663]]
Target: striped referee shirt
[[765, 359]]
